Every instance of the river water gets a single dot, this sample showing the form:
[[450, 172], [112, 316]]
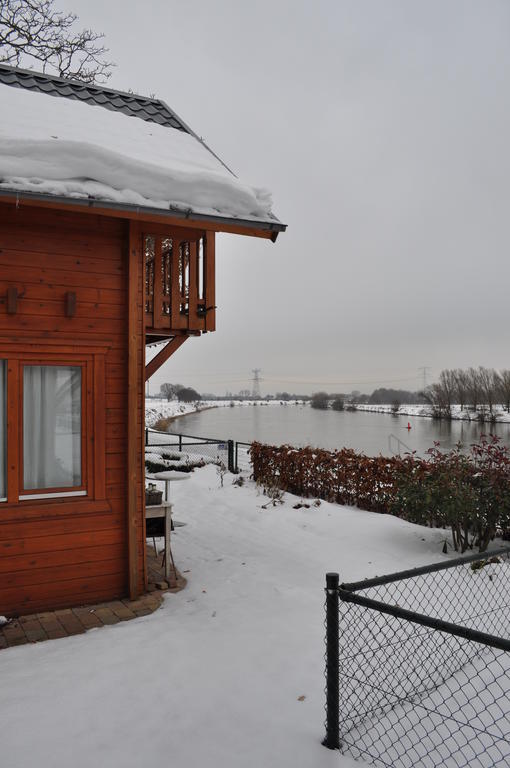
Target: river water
[[301, 425]]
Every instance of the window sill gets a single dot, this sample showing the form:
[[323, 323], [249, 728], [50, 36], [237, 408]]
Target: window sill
[[59, 495]]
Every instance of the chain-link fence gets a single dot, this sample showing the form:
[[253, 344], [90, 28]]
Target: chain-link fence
[[418, 665], [187, 449]]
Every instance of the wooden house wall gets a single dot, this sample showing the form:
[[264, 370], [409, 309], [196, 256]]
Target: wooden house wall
[[63, 552]]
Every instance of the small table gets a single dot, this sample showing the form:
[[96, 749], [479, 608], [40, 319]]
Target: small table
[[164, 510], [170, 476]]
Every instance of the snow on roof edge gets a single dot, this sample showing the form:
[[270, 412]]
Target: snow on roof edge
[[273, 224], [77, 150]]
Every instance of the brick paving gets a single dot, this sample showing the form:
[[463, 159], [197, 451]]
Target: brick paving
[[52, 625]]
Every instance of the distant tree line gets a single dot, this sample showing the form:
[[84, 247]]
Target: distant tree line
[[245, 394], [381, 396], [384, 396], [290, 396], [473, 389], [322, 400], [181, 393]]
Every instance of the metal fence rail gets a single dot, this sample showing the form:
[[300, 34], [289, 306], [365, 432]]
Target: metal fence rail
[[242, 455], [418, 665], [218, 450]]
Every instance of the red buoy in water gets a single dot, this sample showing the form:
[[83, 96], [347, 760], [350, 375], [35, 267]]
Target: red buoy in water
[[408, 426]]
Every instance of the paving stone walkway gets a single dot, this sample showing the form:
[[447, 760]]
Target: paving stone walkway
[[51, 625]]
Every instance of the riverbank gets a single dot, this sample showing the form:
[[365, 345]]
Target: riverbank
[[370, 432], [162, 410], [159, 409], [457, 414]]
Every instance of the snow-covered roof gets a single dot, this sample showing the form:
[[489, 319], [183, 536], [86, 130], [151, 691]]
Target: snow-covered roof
[[152, 110], [73, 141]]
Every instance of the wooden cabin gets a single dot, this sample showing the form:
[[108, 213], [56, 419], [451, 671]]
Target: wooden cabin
[[92, 272]]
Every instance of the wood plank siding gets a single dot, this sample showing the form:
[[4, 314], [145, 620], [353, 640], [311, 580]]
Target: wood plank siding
[[67, 551]]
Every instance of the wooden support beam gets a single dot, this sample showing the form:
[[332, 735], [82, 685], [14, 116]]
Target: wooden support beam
[[163, 355], [134, 340]]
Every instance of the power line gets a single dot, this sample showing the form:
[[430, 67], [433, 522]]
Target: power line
[[330, 383], [220, 378]]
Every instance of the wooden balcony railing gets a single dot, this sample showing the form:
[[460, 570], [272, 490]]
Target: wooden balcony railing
[[179, 283]]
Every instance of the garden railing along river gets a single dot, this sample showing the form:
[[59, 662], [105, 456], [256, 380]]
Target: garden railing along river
[[233, 454]]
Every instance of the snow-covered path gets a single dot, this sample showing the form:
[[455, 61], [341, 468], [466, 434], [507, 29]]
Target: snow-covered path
[[212, 678]]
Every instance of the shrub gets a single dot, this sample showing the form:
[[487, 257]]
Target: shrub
[[320, 400], [469, 493]]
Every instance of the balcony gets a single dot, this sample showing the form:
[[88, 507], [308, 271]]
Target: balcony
[[179, 284]]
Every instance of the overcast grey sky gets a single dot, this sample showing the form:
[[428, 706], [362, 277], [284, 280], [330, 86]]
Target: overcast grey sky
[[382, 129]]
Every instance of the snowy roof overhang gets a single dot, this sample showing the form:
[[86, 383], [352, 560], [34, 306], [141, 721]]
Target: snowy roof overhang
[[67, 143]]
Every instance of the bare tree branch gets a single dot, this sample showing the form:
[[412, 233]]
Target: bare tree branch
[[33, 31]]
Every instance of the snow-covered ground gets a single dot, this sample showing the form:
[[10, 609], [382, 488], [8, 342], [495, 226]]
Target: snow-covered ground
[[216, 675], [426, 410]]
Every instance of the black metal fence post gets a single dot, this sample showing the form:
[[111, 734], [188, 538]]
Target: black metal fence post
[[146, 436], [231, 467], [332, 738], [180, 443]]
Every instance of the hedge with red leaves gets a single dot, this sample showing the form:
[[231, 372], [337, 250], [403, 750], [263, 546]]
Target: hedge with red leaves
[[470, 493]]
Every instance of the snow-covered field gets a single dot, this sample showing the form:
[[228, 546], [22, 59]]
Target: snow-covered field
[[216, 675]]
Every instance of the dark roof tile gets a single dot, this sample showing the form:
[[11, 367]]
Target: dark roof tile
[[46, 87], [150, 110]]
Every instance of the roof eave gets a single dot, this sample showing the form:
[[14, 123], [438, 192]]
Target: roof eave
[[253, 227]]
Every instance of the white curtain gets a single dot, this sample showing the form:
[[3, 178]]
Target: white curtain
[[51, 426], [3, 429]]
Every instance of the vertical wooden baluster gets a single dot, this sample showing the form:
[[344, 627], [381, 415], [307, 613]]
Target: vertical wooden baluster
[[209, 284], [157, 307], [193, 286], [175, 304]]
